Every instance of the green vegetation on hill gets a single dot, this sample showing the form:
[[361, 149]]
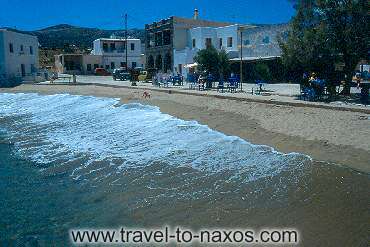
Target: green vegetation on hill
[[60, 36]]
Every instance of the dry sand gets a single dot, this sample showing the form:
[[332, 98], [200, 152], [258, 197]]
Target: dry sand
[[341, 137]]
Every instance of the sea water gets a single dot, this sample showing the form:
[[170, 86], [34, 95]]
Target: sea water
[[78, 161]]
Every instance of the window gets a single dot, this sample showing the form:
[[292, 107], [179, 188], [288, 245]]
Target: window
[[11, 49], [31, 50], [208, 42], [230, 42], [96, 66], [133, 65], [107, 66], [21, 47], [247, 42], [112, 65], [112, 46], [88, 67], [266, 40], [105, 47], [194, 43], [158, 39], [132, 46], [220, 43], [23, 70], [167, 37], [123, 64]]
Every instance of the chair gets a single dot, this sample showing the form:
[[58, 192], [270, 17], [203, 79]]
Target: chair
[[201, 85], [192, 80], [177, 80], [166, 81], [304, 93], [259, 84], [233, 84], [156, 82], [209, 81], [201, 82], [220, 86]]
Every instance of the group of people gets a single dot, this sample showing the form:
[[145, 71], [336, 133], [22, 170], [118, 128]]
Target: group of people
[[165, 78], [205, 80], [313, 85]]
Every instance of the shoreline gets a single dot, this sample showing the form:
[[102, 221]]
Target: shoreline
[[342, 138]]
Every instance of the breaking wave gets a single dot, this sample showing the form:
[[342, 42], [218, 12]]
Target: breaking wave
[[92, 135]]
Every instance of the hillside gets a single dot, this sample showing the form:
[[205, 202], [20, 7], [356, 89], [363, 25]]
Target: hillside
[[61, 35]]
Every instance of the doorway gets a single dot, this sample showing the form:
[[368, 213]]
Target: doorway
[[23, 70]]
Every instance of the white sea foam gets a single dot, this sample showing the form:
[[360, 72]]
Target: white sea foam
[[61, 128]]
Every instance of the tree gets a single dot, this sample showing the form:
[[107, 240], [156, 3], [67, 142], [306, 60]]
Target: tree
[[263, 71], [224, 63], [208, 60], [212, 61], [326, 32]]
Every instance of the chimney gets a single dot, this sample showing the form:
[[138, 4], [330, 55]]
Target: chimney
[[196, 14]]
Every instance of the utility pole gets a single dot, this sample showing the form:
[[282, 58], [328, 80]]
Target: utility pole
[[126, 44], [241, 59]]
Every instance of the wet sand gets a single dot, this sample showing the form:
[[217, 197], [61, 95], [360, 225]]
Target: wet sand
[[339, 137]]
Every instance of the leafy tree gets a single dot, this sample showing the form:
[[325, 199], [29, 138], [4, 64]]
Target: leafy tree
[[212, 61], [224, 63], [208, 60], [263, 71], [325, 32]]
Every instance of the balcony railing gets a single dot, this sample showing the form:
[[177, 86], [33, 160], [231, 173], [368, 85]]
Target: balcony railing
[[118, 50]]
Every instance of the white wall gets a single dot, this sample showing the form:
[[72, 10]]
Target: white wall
[[183, 57], [200, 34], [226, 32], [2, 55], [107, 60], [92, 60], [12, 60], [118, 55], [119, 44]]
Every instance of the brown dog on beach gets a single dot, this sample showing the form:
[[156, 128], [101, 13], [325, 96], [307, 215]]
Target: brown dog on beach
[[146, 95]]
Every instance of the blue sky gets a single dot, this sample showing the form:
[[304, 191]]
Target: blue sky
[[107, 14]]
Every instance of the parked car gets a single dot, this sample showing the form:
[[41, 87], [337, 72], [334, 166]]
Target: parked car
[[121, 74], [116, 73], [101, 71]]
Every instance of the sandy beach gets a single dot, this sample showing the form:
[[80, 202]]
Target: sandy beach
[[340, 137], [91, 162]]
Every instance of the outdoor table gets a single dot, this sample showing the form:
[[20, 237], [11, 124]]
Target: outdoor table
[[209, 82], [177, 80]]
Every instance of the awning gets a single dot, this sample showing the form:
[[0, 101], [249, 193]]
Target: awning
[[190, 65]]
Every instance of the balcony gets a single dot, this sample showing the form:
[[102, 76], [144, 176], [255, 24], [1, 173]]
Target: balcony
[[115, 51]]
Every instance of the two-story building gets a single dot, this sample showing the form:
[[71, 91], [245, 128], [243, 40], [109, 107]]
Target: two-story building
[[258, 42], [18, 55], [172, 43], [113, 52], [108, 53], [165, 37]]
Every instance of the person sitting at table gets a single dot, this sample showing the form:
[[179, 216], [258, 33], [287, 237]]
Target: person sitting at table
[[201, 81], [209, 80], [313, 77]]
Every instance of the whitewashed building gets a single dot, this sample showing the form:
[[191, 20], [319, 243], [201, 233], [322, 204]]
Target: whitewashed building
[[113, 52], [258, 42], [108, 53], [19, 58]]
